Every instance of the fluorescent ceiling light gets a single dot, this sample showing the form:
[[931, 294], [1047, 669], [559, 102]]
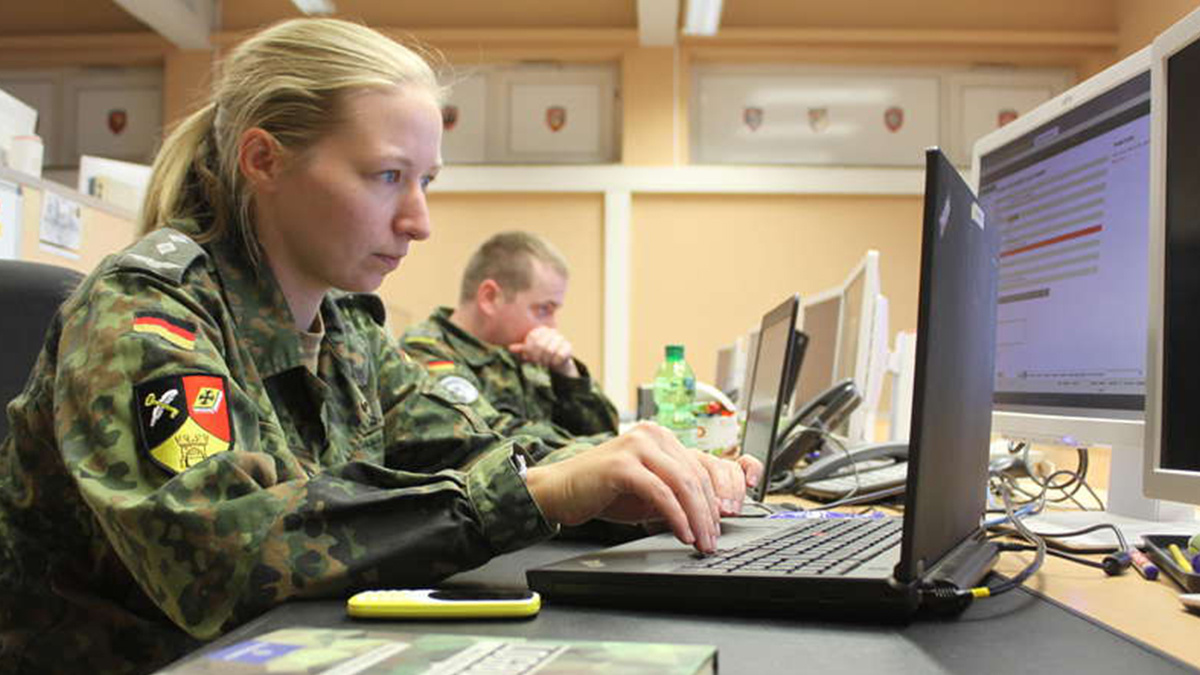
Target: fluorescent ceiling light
[[318, 7], [703, 17]]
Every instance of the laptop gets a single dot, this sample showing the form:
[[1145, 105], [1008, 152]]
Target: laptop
[[766, 396], [787, 565]]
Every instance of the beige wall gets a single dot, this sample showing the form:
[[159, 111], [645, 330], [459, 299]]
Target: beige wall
[[706, 268], [430, 275], [1139, 21]]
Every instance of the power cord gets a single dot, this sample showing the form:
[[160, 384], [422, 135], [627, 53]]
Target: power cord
[[1068, 483], [947, 597]]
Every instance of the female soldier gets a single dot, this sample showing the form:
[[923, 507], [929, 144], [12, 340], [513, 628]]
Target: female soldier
[[218, 422]]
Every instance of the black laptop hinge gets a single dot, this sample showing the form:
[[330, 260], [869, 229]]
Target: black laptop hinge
[[959, 570]]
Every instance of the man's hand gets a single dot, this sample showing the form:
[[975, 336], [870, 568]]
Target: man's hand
[[730, 479], [645, 475], [546, 346]]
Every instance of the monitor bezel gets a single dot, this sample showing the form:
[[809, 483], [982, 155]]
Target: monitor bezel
[[1159, 482]]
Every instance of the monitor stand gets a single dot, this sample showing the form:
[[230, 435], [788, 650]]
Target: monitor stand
[[1125, 497]]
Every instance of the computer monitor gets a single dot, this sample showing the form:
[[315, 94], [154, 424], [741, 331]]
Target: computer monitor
[[723, 378], [799, 348], [819, 315], [1172, 439], [764, 399], [841, 326], [748, 373], [1068, 187]]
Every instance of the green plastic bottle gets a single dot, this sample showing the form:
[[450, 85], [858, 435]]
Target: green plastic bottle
[[675, 396]]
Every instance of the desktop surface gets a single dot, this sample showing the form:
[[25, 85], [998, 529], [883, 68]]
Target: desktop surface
[[991, 636]]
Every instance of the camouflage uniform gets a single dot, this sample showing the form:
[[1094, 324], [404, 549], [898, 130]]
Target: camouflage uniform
[[525, 392], [123, 545]]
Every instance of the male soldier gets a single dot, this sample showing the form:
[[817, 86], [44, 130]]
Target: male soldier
[[502, 341]]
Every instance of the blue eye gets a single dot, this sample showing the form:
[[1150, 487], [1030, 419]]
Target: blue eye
[[425, 181], [391, 176]]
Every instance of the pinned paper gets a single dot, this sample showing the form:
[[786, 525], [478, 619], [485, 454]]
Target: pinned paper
[[62, 225]]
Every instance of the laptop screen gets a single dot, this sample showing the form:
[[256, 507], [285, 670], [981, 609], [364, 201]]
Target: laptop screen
[[765, 397], [952, 388]]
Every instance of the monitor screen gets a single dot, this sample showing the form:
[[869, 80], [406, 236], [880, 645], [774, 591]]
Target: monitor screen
[[1181, 325], [724, 378], [852, 308], [764, 403], [1071, 197], [821, 325]]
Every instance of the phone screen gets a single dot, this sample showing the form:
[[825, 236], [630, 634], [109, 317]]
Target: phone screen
[[459, 594]]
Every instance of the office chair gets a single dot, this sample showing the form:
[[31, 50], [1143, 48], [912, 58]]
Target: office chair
[[30, 294]]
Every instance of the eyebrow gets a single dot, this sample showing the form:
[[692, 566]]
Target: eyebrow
[[401, 158]]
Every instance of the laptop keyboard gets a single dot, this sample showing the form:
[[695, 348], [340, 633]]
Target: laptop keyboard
[[831, 546]]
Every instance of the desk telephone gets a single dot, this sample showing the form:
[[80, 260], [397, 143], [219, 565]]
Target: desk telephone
[[804, 436], [836, 463]]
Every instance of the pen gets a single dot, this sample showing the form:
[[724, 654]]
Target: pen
[[1143, 565], [1180, 559]]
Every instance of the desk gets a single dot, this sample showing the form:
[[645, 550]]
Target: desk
[[1149, 611], [1012, 632]]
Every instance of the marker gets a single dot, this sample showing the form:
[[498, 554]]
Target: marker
[[1195, 563], [1180, 559], [1143, 565]]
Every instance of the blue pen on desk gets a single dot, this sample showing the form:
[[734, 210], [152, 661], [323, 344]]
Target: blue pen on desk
[[1143, 565]]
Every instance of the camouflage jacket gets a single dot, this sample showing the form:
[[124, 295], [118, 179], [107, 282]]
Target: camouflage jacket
[[173, 470], [525, 392]]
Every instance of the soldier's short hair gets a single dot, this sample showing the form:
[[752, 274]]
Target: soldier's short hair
[[507, 258]]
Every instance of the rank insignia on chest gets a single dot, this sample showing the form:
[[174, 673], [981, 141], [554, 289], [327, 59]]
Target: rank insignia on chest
[[180, 333], [183, 419]]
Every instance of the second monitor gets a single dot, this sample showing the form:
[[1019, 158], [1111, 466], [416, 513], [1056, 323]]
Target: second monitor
[[847, 340]]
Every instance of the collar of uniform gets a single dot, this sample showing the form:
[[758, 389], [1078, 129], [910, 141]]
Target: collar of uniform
[[260, 310], [472, 350]]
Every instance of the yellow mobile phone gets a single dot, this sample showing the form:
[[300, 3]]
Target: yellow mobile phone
[[450, 603]]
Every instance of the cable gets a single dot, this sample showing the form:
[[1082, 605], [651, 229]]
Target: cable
[[1038, 542], [1067, 483]]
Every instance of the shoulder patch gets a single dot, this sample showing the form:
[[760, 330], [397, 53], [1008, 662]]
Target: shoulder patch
[[459, 389], [363, 301], [182, 420], [165, 252], [420, 340], [178, 332]]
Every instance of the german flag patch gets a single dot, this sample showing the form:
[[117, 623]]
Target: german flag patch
[[439, 366], [183, 419], [180, 333]]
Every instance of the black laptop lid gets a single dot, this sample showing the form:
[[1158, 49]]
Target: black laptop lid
[[952, 387], [765, 397]]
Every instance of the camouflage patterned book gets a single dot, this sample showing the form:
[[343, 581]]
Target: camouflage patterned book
[[349, 652]]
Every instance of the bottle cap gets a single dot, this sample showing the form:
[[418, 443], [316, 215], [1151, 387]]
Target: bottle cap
[[674, 352]]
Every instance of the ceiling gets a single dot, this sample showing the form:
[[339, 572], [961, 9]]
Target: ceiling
[[85, 17]]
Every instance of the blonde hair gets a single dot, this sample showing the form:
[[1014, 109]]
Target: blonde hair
[[507, 259], [289, 79]]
